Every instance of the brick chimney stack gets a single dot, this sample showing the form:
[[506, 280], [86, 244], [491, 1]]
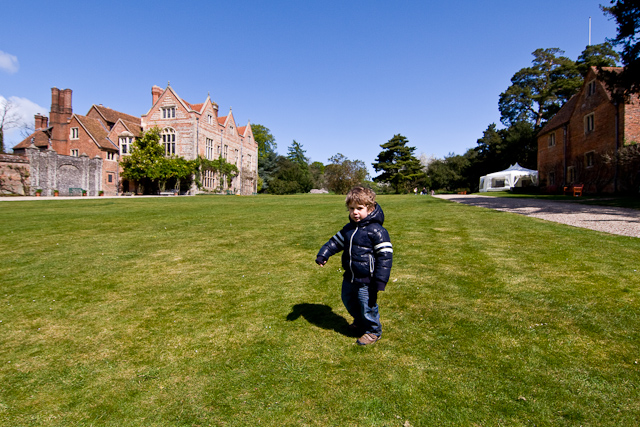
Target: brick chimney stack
[[60, 105], [59, 116], [67, 109], [42, 122], [156, 91]]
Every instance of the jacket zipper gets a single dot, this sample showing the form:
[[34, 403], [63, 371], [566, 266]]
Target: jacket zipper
[[371, 265], [353, 275]]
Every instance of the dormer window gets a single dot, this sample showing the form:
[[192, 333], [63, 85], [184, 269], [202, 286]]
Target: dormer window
[[74, 133], [591, 88], [210, 119], [168, 112]]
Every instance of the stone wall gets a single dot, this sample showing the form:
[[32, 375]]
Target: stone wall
[[14, 175], [51, 171]]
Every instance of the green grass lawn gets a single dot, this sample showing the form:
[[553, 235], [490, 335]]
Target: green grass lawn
[[210, 311]]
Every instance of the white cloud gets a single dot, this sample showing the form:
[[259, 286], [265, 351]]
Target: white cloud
[[8, 62], [25, 109]]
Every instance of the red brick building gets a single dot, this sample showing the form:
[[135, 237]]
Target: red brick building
[[189, 130], [96, 135], [574, 145]]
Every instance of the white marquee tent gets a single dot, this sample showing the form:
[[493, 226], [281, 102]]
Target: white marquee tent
[[514, 176]]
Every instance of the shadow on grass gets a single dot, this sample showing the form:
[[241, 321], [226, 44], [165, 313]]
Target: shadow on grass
[[320, 315]]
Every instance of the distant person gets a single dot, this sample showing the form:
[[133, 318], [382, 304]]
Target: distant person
[[433, 193], [415, 190], [367, 256]]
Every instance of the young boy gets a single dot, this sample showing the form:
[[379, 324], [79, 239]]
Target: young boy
[[366, 259]]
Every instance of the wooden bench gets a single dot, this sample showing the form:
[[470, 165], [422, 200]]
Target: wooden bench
[[169, 193], [576, 190]]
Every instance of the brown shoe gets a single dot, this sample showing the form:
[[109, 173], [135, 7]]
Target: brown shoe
[[367, 339]]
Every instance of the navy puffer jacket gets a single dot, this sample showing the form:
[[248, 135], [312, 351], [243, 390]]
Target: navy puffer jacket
[[367, 251]]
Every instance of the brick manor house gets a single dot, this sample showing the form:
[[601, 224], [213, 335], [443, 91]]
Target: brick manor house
[[591, 126], [69, 150]]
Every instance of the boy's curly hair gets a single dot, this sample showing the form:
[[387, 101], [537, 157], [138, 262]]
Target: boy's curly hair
[[361, 196]]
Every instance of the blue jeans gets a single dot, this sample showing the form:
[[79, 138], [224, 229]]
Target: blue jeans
[[357, 298]]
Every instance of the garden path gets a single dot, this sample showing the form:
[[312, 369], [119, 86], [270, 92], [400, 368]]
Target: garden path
[[623, 221]]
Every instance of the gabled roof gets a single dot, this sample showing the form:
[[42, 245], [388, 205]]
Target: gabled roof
[[112, 116], [97, 131], [132, 128], [229, 117], [566, 111], [196, 107], [40, 139], [563, 116], [185, 104]]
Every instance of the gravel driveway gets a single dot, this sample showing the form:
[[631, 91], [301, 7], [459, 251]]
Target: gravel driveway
[[623, 221]]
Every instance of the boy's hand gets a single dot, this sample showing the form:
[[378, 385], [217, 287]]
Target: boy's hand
[[321, 261]]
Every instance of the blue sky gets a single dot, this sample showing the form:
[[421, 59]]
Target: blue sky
[[336, 76]]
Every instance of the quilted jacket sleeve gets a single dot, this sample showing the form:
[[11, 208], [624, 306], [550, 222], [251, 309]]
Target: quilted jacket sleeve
[[333, 246], [383, 255]]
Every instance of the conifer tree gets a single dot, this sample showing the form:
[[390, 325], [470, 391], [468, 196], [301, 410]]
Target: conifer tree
[[398, 164]]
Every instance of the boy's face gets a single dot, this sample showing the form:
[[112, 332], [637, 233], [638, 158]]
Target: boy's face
[[358, 212]]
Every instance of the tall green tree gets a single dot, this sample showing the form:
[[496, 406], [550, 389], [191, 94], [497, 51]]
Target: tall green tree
[[290, 178], [267, 169], [296, 154], [148, 165], [267, 156], [342, 174], [264, 138], [316, 169], [142, 164], [627, 15], [450, 173], [597, 55], [399, 167], [537, 92]]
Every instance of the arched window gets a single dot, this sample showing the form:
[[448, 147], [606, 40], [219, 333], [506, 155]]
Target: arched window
[[169, 141]]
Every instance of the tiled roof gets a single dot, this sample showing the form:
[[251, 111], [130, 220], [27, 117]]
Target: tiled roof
[[221, 120], [112, 116], [135, 129], [41, 140], [97, 131], [563, 116], [241, 130], [197, 107]]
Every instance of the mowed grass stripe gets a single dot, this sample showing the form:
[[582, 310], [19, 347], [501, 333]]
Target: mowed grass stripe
[[211, 311]]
